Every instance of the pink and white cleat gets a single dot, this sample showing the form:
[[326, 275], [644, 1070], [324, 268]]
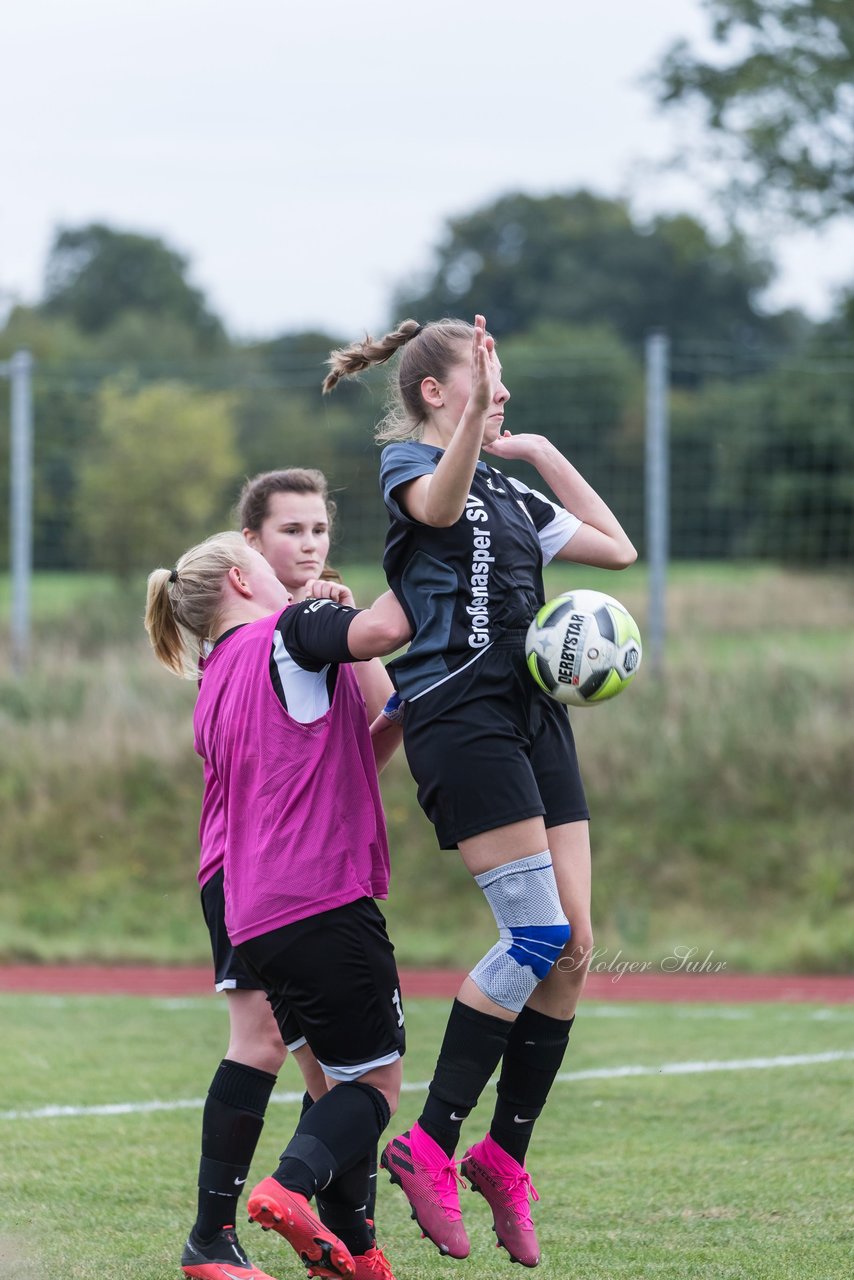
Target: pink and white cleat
[[430, 1181], [506, 1187]]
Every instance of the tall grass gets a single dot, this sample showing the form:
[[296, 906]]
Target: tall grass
[[720, 795]]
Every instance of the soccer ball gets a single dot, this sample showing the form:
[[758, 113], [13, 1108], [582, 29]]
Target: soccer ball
[[583, 647]]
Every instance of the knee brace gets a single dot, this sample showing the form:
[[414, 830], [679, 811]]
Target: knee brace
[[533, 929]]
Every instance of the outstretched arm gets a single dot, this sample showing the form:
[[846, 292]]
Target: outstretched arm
[[373, 632], [601, 540]]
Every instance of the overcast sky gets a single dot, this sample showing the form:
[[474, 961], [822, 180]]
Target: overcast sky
[[306, 155]]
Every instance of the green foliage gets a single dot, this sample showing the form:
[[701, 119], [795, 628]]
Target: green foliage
[[284, 427], [67, 431], [768, 467], [300, 356], [582, 388], [157, 476], [836, 335], [720, 801], [96, 274], [761, 451], [778, 98], [580, 259], [64, 423], [47, 338], [156, 342]]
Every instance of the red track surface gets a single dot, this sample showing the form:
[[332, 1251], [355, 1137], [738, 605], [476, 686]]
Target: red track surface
[[722, 988]]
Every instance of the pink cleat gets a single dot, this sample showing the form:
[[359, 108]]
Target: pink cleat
[[429, 1180], [505, 1186], [277, 1209], [373, 1265]]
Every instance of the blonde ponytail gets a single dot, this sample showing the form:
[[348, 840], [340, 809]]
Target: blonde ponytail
[[183, 604], [163, 631]]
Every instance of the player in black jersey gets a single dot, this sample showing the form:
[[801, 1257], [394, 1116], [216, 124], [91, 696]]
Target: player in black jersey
[[493, 757]]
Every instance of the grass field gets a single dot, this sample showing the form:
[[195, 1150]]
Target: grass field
[[723, 1172]]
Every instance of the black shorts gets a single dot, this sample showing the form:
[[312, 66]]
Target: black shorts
[[336, 974], [489, 748], [230, 974]]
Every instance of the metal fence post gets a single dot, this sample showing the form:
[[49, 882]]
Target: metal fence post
[[19, 371], [657, 484]]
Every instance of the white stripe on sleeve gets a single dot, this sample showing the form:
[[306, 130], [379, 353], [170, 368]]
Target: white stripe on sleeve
[[305, 692]]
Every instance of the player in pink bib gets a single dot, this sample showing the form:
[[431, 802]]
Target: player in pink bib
[[288, 516], [281, 725]]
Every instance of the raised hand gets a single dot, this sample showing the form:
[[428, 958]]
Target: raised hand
[[483, 372]]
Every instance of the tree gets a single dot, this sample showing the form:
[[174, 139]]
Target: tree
[[300, 355], [779, 100], [96, 275], [583, 389], [580, 259], [159, 475], [284, 421], [764, 467]]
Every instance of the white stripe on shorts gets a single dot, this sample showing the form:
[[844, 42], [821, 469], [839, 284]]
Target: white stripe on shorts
[[353, 1073]]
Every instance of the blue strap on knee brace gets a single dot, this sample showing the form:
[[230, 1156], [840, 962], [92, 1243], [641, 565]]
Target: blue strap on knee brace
[[538, 945], [520, 892]]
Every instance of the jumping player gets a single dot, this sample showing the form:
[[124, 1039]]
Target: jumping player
[[493, 756], [281, 726], [288, 516]]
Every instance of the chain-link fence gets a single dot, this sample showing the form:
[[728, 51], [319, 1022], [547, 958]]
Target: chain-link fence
[[132, 464]]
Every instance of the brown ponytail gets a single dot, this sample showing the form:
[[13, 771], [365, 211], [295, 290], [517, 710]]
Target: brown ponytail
[[346, 362], [429, 351]]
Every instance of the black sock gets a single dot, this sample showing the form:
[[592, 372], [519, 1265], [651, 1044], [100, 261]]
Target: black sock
[[471, 1050], [348, 1205], [534, 1053], [371, 1202], [338, 1131], [370, 1196], [343, 1205], [231, 1126]]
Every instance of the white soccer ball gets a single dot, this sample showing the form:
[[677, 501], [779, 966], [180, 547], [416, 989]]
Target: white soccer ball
[[583, 647]]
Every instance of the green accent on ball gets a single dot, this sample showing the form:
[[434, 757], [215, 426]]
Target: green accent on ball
[[550, 607], [610, 687], [627, 628], [533, 667]]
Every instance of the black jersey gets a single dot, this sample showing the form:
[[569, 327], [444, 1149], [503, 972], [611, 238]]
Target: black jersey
[[463, 586]]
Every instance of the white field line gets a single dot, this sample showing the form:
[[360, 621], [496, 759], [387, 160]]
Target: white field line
[[420, 1086]]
